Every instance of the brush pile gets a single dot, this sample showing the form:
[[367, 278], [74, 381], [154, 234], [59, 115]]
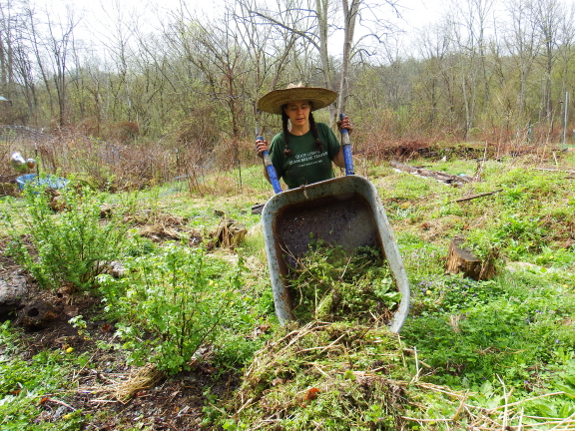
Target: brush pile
[[331, 284], [342, 376], [335, 374]]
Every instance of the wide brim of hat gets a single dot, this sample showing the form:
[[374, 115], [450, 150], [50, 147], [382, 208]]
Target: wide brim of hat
[[274, 100]]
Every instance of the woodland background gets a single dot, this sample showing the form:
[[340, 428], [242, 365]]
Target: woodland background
[[137, 103], [182, 94]]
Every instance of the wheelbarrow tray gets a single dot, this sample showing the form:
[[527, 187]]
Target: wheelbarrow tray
[[344, 211]]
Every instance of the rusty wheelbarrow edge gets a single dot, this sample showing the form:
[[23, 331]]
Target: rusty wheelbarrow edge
[[349, 184]]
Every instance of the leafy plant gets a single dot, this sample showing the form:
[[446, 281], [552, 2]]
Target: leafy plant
[[70, 246], [331, 284], [170, 304]]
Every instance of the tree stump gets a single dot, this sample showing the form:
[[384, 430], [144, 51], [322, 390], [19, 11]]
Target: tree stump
[[37, 315], [461, 260], [230, 234]]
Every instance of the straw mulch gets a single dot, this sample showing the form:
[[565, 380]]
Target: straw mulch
[[125, 386]]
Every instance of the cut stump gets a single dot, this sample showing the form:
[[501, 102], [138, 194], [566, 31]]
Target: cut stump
[[461, 260], [230, 234]]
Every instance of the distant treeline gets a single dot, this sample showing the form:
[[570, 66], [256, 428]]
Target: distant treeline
[[194, 81]]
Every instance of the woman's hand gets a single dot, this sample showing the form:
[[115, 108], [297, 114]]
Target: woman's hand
[[261, 146], [345, 124]]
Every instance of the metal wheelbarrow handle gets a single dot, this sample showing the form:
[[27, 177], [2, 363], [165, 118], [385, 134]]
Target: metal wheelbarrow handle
[[346, 143], [272, 174]]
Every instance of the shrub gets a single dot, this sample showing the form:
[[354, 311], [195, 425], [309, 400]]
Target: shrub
[[170, 303], [71, 246]]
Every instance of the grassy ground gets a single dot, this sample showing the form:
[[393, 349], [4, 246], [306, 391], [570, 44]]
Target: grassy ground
[[485, 354]]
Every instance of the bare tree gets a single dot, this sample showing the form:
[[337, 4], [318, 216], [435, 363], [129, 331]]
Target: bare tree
[[350, 13], [437, 80], [547, 17], [314, 21], [308, 20], [267, 49], [566, 48], [522, 44], [16, 69], [51, 43], [7, 25], [120, 24], [469, 32]]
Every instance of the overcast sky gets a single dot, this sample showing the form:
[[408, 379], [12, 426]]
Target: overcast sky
[[416, 13]]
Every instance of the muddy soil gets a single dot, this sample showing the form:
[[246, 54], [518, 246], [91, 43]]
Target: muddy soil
[[171, 403]]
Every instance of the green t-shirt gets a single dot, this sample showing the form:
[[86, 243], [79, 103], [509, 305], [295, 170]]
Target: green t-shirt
[[305, 164]]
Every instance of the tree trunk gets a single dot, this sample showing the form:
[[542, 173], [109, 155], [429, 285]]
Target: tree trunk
[[463, 261], [350, 15]]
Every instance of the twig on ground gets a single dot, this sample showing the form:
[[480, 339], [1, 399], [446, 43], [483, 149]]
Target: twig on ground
[[62, 403], [478, 196]]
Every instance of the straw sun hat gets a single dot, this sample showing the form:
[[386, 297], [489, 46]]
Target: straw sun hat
[[274, 100]]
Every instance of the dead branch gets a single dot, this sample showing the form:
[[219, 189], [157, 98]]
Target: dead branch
[[478, 196], [567, 171], [456, 180]]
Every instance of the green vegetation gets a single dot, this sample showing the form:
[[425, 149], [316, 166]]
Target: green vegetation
[[329, 284], [170, 303], [474, 330], [491, 353], [71, 247], [25, 385]]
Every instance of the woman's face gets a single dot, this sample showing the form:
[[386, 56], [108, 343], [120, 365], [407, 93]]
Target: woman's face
[[298, 112]]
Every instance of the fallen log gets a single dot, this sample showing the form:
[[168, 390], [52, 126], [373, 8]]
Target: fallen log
[[567, 171], [456, 180]]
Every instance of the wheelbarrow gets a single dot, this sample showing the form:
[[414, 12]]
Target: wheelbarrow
[[344, 211]]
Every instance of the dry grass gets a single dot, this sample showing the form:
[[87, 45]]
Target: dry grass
[[124, 164], [302, 370], [115, 165], [509, 416], [124, 386]]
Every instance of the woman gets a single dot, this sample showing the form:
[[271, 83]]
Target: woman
[[304, 151]]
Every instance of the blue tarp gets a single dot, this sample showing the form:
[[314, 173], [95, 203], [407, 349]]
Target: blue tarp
[[48, 181]]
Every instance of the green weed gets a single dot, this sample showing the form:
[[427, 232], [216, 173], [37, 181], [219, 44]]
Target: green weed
[[170, 303], [331, 284], [471, 331], [70, 246], [27, 387], [487, 344]]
